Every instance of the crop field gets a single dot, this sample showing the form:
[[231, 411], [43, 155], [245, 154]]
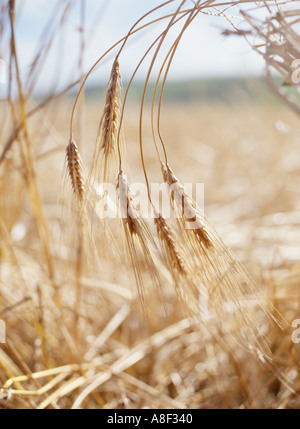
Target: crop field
[[105, 305]]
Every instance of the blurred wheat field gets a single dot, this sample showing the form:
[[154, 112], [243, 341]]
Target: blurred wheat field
[[82, 331]]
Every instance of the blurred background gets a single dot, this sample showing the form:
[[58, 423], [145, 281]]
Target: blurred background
[[94, 26]]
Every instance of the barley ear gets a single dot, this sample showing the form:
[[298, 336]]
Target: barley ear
[[104, 159], [188, 212], [75, 170], [138, 237]]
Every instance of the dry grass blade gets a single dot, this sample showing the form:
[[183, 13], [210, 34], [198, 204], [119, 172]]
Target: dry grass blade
[[279, 47], [132, 356]]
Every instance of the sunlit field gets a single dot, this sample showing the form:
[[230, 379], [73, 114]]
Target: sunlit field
[[134, 312]]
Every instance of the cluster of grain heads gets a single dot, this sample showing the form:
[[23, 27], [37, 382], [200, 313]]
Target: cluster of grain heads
[[223, 285], [104, 163], [205, 274]]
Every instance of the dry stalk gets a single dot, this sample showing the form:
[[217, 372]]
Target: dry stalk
[[30, 176], [280, 48]]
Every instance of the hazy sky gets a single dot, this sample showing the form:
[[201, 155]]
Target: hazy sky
[[203, 50]]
